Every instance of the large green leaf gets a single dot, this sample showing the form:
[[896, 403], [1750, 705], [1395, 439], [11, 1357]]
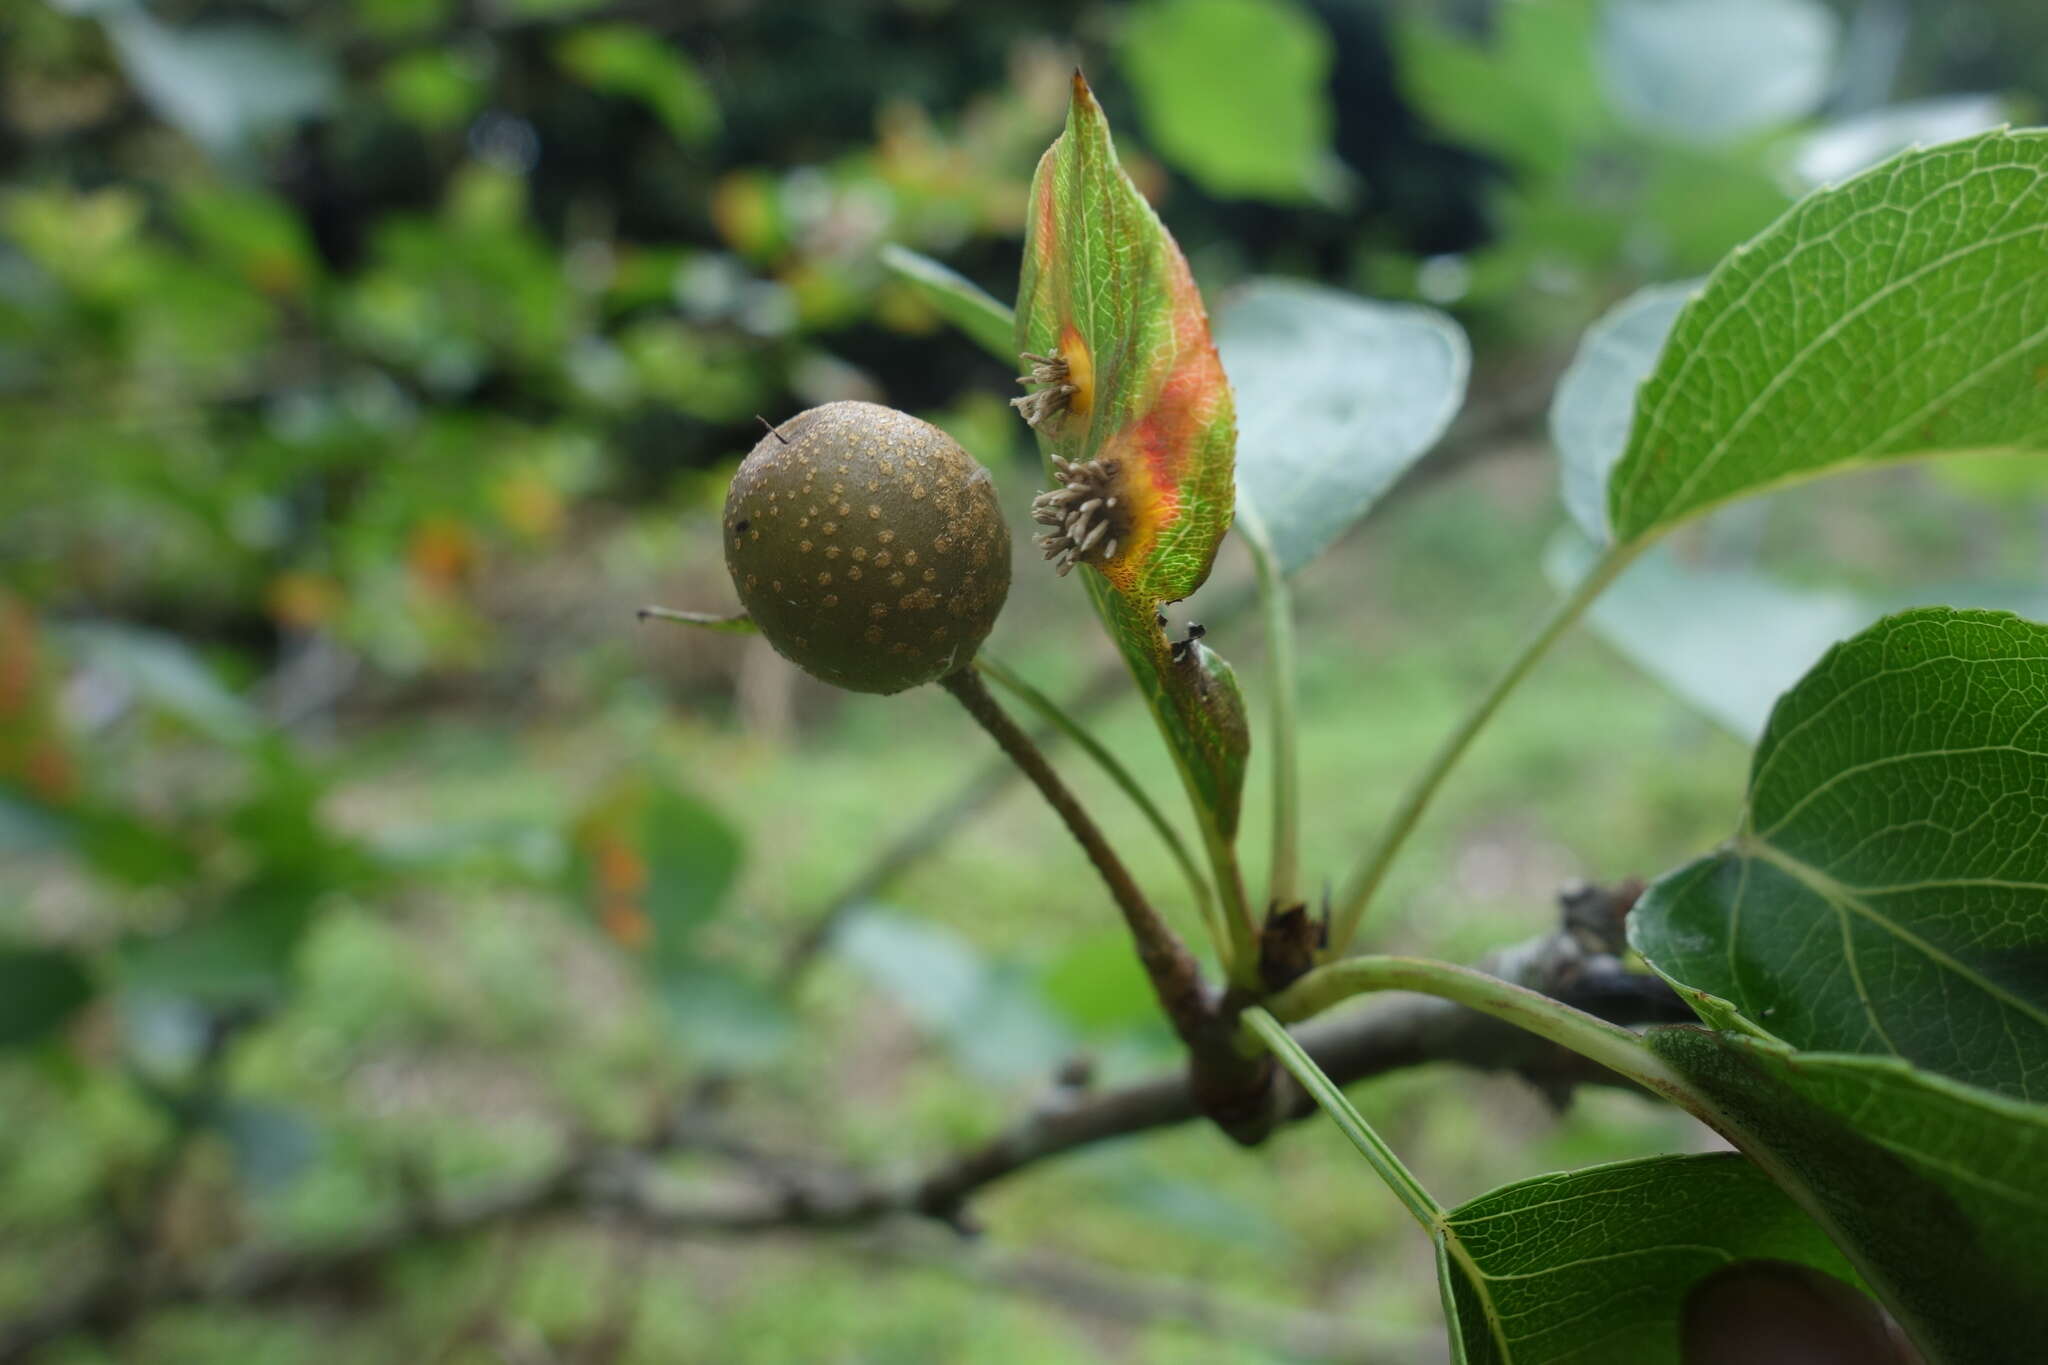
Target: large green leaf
[[1713, 70], [1336, 397], [1233, 92], [990, 1014], [1887, 889], [223, 84], [1594, 1266], [1730, 639], [40, 988], [1904, 313], [161, 672], [1937, 1192], [1596, 398], [1835, 151], [625, 59]]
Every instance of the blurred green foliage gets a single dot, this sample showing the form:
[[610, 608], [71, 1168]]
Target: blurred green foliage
[[362, 366]]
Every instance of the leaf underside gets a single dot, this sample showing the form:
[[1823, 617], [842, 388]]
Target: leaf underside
[[1337, 396]]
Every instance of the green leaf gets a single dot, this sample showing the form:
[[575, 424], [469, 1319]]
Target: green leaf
[[655, 865], [1527, 93], [988, 1014], [1838, 150], [693, 857], [162, 673], [40, 989], [1714, 70], [1731, 640], [1596, 399], [1105, 288], [721, 1017], [958, 300], [244, 952], [1903, 314], [1594, 1265], [1336, 397], [1937, 1193], [31, 826], [1887, 889], [624, 59], [1234, 92], [1198, 704], [222, 84]]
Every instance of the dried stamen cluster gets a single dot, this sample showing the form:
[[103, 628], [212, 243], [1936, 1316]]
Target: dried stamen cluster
[[1051, 399], [1082, 512]]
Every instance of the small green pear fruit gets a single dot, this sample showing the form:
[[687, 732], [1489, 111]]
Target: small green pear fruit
[[867, 546]]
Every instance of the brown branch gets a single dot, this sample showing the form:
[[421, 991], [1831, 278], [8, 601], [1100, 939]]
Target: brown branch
[[1382, 1035], [1175, 976], [945, 817]]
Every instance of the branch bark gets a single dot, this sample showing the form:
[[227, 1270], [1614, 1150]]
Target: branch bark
[[616, 1181]]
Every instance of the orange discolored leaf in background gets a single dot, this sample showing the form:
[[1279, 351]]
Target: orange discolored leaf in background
[[33, 752], [441, 553]]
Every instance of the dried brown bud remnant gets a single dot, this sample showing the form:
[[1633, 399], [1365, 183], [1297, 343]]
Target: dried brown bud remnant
[[1083, 512]]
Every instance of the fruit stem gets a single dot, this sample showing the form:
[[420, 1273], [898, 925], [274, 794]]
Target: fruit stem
[[1050, 711], [1175, 975]]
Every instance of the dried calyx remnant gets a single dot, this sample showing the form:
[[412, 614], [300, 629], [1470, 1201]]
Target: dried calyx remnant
[[1082, 512], [1055, 392]]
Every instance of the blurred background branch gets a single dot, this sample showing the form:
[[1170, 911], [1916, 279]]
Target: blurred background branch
[[625, 1185]]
